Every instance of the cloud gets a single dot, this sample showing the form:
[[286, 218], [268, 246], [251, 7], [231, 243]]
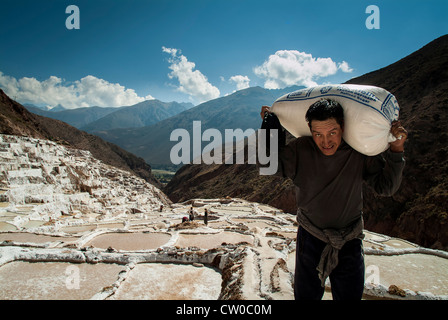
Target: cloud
[[291, 67], [242, 82], [191, 82], [99, 92], [87, 92], [344, 67]]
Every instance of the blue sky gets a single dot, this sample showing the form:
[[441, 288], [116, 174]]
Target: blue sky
[[195, 50]]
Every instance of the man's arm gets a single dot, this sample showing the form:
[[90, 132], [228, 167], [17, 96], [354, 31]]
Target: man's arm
[[271, 122], [384, 172], [287, 166]]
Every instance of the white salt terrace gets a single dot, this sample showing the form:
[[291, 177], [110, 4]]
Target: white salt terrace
[[74, 228]]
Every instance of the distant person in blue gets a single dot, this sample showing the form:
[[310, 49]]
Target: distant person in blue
[[328, 176]]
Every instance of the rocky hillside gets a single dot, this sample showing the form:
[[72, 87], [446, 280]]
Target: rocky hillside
[[418, 212], [16, 120]]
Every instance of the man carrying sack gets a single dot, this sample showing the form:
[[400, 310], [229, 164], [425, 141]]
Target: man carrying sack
[[328, 175]]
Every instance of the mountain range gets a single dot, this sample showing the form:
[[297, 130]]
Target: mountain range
[[93, 119], [238, 110]]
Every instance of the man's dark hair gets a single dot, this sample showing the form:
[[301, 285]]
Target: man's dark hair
[[325, 109]]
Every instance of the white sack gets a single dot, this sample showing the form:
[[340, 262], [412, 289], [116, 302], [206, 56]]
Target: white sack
[[368, 114]]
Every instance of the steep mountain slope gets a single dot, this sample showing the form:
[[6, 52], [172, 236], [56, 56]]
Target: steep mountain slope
[[16, 120], [418, 211], [238, 110]]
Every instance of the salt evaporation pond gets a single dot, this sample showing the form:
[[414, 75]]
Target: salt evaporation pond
[[161, 281], [25, 237], [231, 210], [130, 241], [89, 227], [5, 226], [254, 223], [21, 280], [417, 272], [210, 241]]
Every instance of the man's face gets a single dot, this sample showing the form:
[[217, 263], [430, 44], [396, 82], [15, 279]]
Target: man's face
[[327, 135]]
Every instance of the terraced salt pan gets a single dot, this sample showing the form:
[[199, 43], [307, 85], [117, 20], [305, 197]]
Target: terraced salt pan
[[399, 244], [130, 241], [417, 272], [10, 216], [375, 237], [33, 224], [157, 281], [267, 208], [79, 229], [90, 227], [219, 224], [5, 226], [112, 225], [236, 210], [21, 280], [24, 237], [210, 241], [254, 223]]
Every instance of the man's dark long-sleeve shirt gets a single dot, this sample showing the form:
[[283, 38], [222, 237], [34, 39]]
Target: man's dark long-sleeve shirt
[[329, 188]]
